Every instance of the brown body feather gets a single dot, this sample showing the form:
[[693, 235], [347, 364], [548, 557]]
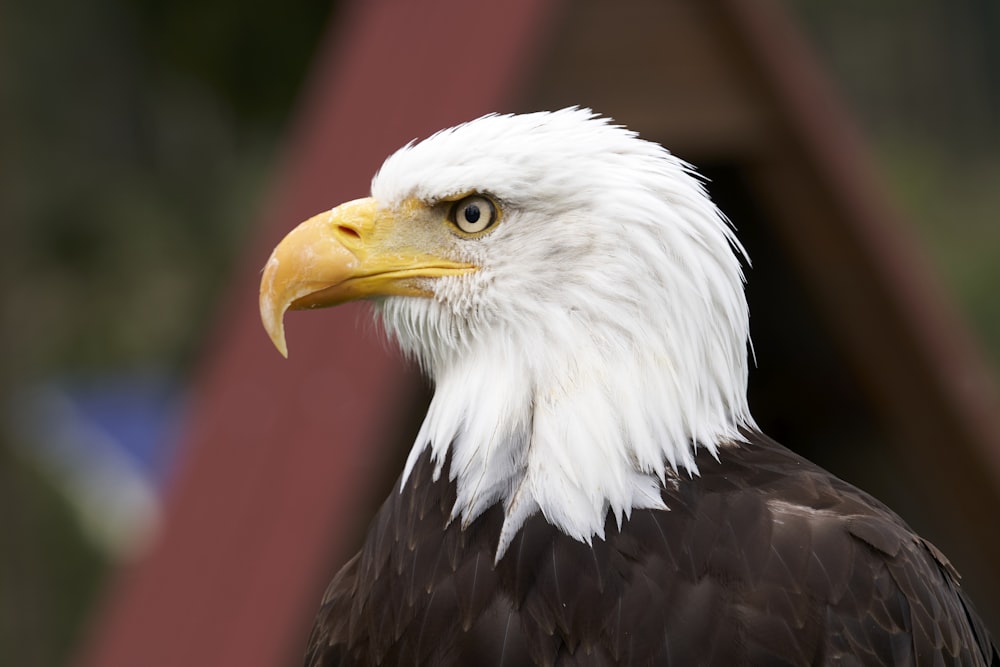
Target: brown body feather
[[763, 559]]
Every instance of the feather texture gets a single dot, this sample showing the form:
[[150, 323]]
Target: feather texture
[[588, 486], [765, 559], [604, 335]]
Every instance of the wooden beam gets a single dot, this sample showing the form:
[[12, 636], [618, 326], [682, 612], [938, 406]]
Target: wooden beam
[[662, 68], [278, 455], [918, 362]]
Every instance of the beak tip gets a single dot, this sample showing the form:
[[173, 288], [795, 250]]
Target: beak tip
[[273, 318], [276, 332], [281, 345]]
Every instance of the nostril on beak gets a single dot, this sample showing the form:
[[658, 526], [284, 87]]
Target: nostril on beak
[[349, 232]]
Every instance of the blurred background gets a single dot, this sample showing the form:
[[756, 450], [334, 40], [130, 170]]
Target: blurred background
[[139, 140]]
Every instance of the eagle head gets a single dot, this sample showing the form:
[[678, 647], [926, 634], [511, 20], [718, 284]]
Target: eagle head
[[572, 292]]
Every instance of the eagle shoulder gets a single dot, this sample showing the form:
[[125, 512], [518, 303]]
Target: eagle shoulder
[[763, 558]]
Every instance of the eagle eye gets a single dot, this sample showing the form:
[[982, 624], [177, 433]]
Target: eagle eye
[[473, 214]]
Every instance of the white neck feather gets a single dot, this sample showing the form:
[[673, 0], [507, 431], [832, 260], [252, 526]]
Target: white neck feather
[[575, 416], [603, 338]]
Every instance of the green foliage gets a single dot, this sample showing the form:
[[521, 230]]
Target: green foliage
[[139, 136], [144, 138], [49, 574], [921, 78], [138, 140]]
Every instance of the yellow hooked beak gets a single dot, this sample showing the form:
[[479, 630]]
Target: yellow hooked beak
[[354, 251]]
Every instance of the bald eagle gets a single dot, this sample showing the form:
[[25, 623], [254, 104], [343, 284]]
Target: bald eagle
[[589, 486]]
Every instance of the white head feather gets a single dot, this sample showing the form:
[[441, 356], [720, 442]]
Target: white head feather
[[604, 336]]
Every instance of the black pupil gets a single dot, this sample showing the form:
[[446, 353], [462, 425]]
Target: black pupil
[[472, 213]]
